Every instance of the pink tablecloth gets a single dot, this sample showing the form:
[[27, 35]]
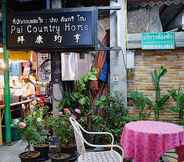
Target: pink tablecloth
[[147, 141]]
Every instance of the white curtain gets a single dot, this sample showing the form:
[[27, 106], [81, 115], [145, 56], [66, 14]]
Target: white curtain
[[75, 65]]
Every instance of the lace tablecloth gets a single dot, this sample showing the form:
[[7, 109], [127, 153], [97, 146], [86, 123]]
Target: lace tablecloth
[[147, 141]]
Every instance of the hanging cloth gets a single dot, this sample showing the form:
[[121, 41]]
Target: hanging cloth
[[106, 68], [99, 63], [15, 69], [69, 66], [101, 57]]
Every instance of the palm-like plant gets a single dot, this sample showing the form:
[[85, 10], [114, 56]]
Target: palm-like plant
[[178, 97], [140, 101], [160, 100]]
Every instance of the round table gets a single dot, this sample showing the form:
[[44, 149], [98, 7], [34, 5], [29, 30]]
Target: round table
[[147, 141]]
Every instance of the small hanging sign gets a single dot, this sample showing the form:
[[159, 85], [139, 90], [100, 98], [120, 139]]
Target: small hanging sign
[[62, 29]]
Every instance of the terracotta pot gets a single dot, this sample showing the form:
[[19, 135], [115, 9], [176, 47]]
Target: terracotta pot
[[29, 156]]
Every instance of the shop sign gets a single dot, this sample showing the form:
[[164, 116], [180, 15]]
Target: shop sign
[[61, 29], [160, 40]]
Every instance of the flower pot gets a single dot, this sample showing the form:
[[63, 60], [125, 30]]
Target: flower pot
[[44, 150], [62, 157], [70, 149], [29, 156]]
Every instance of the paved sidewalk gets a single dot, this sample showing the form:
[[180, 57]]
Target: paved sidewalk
[[10, 153]]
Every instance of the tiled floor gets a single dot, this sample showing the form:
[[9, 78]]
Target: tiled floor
[[10, 153], [169, 159]]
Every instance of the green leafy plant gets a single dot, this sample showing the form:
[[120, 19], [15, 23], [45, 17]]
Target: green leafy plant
[[61, 127], [82, 92], [39, 111], [68, 101], [107, 113], [76, 103], [102, 102], [117, 115], [141, 102], [178, 97], [83, 98], [160, 100], [111, 115], [98, 123], [39, 123], [32, 127], [28, 132]]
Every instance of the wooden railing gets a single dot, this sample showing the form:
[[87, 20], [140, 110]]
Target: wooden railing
[[2, 112]]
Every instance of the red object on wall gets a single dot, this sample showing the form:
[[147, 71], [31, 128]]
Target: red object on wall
[[180, 152], [1, 102]]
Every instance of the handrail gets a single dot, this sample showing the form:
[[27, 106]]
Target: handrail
[[17, 103]]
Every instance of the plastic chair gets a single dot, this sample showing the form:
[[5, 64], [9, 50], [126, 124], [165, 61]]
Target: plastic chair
[[102, 156]]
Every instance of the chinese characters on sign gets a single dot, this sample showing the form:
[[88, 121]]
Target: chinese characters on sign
[[162, 40], [53, 29]]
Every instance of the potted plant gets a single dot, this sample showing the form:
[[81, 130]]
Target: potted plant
[[41, 143], [33, 129], [29, 134], [61, 127]]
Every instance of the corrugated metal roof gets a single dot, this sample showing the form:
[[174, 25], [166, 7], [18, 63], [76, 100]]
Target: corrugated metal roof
[[138, 1], [154, 2]]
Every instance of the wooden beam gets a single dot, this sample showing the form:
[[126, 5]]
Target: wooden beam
[[18, 103]]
